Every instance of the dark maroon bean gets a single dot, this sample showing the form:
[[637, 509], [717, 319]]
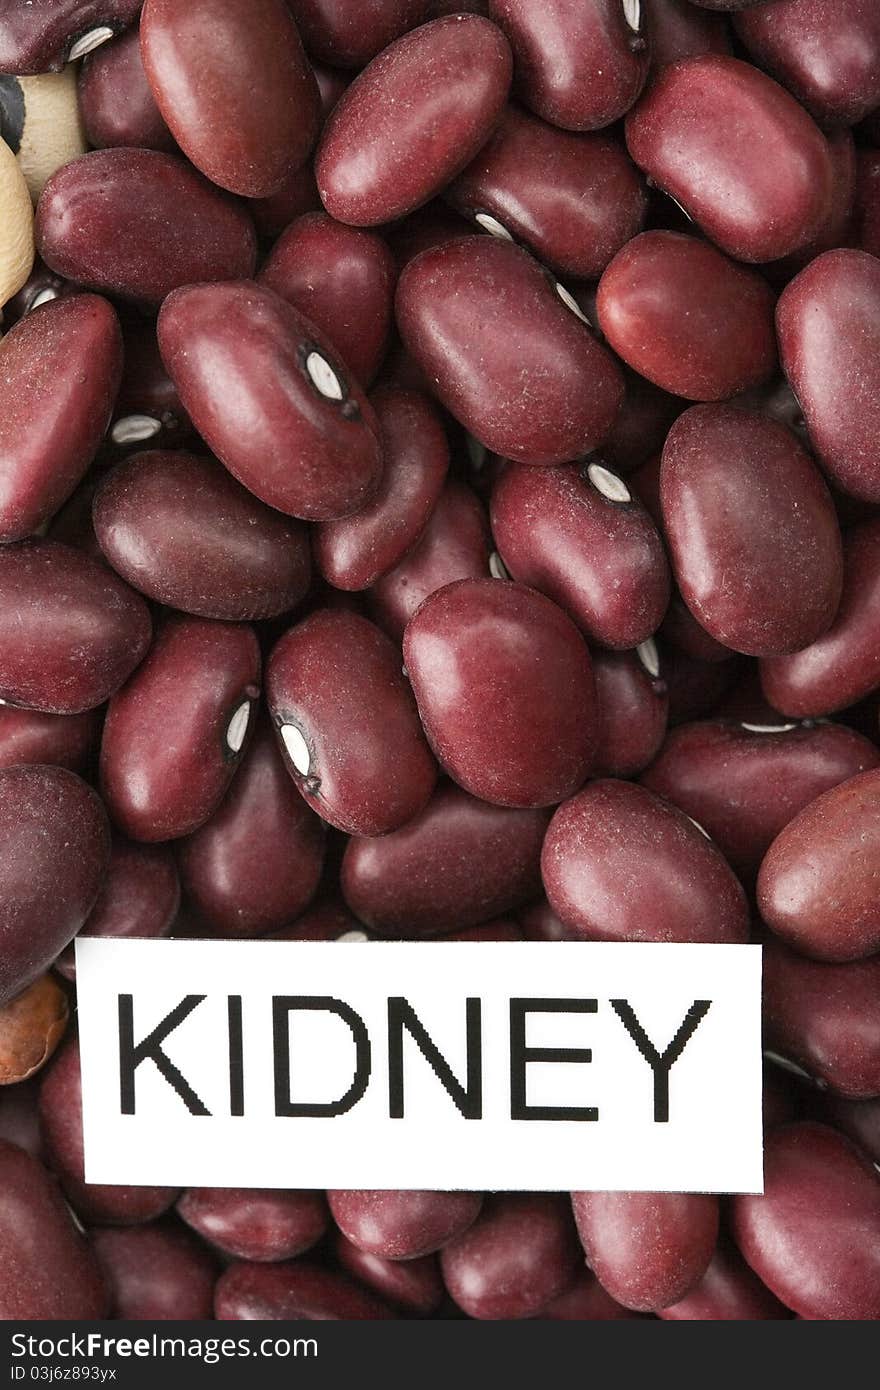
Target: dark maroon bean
[[61, 1120], [257, 862], [425, 228], [138, 223], [347, 722], [620, 864], [326, 920], [31, 1027], [677, 30], [115, 100], [60, 369], [647, 1249], [828, 321], [681, 629], [156, 1273], [633, 710], [234, 86], [752, 531], [54, 851], [586, 1301], [271, 399], [174, 735], [836, 230], [413, 1286], [342, 279], [500, 929], [403, 1225], [19, 1117], [412, 121], [62, 740], [347, 34], [505, 354], [727, 1292], [41, 287], [579, 63], [859, 1119], [181, 530], [868, 201], [518, 1256], [505, 691], [252, 1224], [42, 37], [641, 426], [148, 408], [844, 664], [696, 687], [574, 200], [687, 318], [49, 1270], [754, 209], [457, 864], [300, 1290], [814, 1236], [580, 536], [296, 196], [540, 923]]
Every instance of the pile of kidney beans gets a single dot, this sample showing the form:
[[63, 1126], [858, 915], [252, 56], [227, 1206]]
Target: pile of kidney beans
[[440, 498]]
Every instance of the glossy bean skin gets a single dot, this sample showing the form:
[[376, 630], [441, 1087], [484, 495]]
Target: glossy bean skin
[[115, 100], [457, 864], [755, 210], [39, 37], [488, 661], [580, 66], [299, 1289], [752, 532], [255, 865], [182, 531], [327, 919], [412, 120], [586, 1301], [413, 1286], [620, 864], [601, 559], [296, 196], [309, 452], [155, 1273], [633, 712], [843, 665], [506, 357], [347, 33], [814, 1236], [403, 1225], [342, 279], [687, 318], [647, 1249], [253, 1224], [825, 1018], [60, 369], [678, 30], [334, 687], [828, 55], [836, 228], [518, 1256], [62, 740], [31, 1027], [54, 851], [828, 322], [727, 1292], [49, 1269], [175, 733], [574, 200], [139, 223]]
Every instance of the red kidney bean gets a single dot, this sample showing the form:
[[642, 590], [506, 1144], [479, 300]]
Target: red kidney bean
[[501, 929], [353, 552], [380, 155], [115, 100], [252, 1224], [828, 322], [641, 426], [580, 536], [343, 33], [342, 279], [148, 408], [296, 196], [49, 1271], [256, 864], [540, 923], [505, 691], [518, 1256], [455, 544], [425, 228], [868, 201], [347, 724], [31, 1027], [156, 1273], [744, 783], [41, 287], [326, 920], [413, 1286], [814, 1236], [586, 1301], [53, 413], [754, 209], [752, 532], [43, 37], [727, 1292], [836, 230], [505, 355], [859, 1119], [182, 531], [633, 710], [695, 687], [271, 399], [174, 735], [61, 1121], [138, 223], [63, 740], [458, 863], [677, 30], [574, 200], [579, 65], [299, 1290], [403, 1225], [54, 851], [19, 1118], [688, 318], [681, 628], [843, 665], [620, 864]]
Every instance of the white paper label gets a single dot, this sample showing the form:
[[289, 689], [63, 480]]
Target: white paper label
[[439, 1065]]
